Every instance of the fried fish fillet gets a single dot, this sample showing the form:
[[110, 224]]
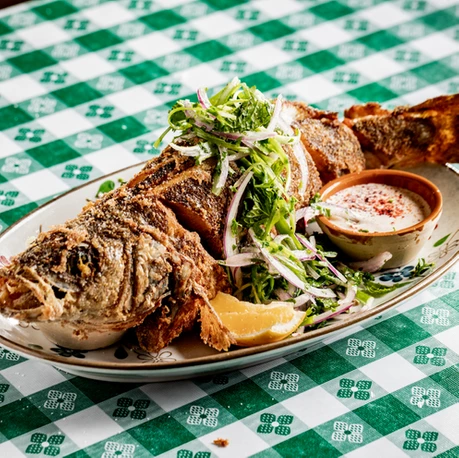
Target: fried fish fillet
[[406, 136], [334, 149]]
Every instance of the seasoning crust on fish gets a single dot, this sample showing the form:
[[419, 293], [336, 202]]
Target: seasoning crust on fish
[[145, 255]]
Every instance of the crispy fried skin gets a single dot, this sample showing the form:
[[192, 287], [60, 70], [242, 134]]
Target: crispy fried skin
[[406, 136], [333, 148]]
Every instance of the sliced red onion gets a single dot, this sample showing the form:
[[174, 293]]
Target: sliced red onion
[[228, 135], [275, 117], [306, 212], [349, 298], [336, 272], [4, 261], [280, 238], [237, 156], [192, 151], [320, 292], [203, 99], [229, 239], [330, 314], [299, 152], [312, 273], [223, 174], [207, 126], [285, 272], [304, 299], [240, 260], [341, 211], [374, 264], [237, 276], [282, 294], [303, 255]]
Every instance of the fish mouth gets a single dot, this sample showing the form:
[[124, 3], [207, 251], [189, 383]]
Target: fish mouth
[[28, 297]]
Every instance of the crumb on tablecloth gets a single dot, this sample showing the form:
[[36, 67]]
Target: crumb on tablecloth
[[221, 442]]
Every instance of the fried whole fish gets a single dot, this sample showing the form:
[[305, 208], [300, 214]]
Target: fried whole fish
[[406, 136], [141, 255]]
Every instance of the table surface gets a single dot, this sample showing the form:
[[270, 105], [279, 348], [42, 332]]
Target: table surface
[[73, 73]]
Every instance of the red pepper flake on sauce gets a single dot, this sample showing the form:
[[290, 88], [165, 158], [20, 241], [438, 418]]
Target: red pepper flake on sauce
[[379, 207]]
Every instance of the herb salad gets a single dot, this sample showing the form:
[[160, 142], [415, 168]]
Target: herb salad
[[267, 258]]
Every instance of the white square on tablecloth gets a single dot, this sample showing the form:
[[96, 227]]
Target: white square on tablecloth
[[65, 123], [422, 95], [436, 45], [7, 146], [87, 66], [242, 441], [379, 448], [21, 88], [170, 396], [43, 35], [112, 159], [385, 15], [264, 56], [273, 9], [202, 75], [108, 14], [392, 372], [216, 25], [377, 67], [413, 302], [133, 100], [172, 3], [153, 45], [315, 88], [40, 184], [310, 408], [325, 35], [446, 422], [24, 377], [7, 449], [88, 426], [450, 338]]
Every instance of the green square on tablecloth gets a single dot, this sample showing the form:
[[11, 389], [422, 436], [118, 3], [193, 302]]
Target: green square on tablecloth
[[11, 116], [32, 61], [162, 19], [386, 414], [20, 417], [76, 94], [372, 92], [209, 50], [4, 28], [379, 41], [98, 40], [309, 441], [449, 379], [7, 357], [123, 129], [331, 10], [271, 30], [451, 453], [321, 61], [143, 72], [261, 80], [244, 399], [52, 153], [323, 365], [101, 391], [452, 299], [434, 72], [161, 434], [225, 4], [440, 20], [54, 10], [398, 332], [11, 216]]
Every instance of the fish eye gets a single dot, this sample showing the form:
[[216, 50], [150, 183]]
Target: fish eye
[[82, 261]]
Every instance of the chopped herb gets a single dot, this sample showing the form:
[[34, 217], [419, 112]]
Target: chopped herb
[[105, 187]]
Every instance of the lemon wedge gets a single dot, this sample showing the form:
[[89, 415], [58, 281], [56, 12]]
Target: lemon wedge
[[256, 324]]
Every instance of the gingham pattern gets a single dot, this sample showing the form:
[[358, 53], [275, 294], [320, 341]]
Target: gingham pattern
[[84, 88]]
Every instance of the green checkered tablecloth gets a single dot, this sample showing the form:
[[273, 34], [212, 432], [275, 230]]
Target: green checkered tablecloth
[[84, 88]]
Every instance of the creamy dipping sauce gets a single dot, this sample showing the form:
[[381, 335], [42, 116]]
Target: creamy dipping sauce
[[378, 208]]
